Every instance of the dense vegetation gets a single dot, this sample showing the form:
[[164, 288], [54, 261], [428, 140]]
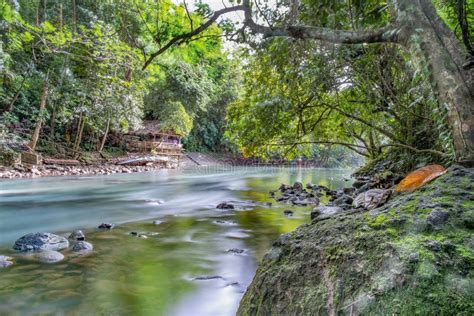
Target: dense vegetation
[[77, 68], [74, 71]]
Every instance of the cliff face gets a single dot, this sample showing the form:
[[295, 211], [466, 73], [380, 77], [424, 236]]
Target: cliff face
[[413, 255]]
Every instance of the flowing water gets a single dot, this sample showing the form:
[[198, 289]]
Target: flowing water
[[185, 269]]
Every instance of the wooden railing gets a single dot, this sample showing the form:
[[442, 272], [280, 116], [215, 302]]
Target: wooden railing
[[160, 148]]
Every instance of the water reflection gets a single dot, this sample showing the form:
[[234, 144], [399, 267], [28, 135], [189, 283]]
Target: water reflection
[[187, 269]]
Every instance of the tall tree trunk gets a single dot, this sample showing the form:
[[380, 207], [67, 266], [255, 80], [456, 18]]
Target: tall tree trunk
[[39, 122], [105, 136], [53, 123], [440, 56], [45, 11], [74, 16], [38, 22], [79, 124], [61, 18], [79, 137]]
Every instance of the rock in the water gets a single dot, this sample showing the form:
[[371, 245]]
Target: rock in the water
[[236, 251], [139, 234], [48, 256], [359, 183], [6, 261], [157, 222], [82, 246], [288, 212], [309, 185], [77, 235], [40, 241], [345, 199], [300, 202], [225, 206], [210, 277], [364, 188], [107, 226], [371, 199], [284, 187], [437, 218], [322, 212], [348, 191], [298, 186]]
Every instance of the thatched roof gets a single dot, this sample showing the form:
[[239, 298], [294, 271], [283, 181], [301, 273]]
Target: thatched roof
[[152, 127]]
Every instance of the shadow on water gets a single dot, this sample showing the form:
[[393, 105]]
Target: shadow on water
[[198, 261]]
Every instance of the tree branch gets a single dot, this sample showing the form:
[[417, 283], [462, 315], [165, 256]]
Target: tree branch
[[380, 35], [186, 36], [420, 151], [348, 145]]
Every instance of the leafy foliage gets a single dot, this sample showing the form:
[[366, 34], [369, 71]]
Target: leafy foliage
[[91, 55]]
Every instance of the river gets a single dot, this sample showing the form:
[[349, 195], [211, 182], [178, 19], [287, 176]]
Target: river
[[185, 269]]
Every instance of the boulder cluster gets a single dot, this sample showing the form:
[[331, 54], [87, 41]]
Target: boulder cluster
[[51, 248], [297, 195], [361, 195], [46, 247]]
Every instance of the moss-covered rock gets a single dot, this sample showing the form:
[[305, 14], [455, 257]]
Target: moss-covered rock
[[414, 255]]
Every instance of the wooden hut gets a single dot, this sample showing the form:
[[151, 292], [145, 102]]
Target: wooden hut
[[150, 138]]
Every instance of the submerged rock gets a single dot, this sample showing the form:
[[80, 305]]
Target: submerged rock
[[225, 206], [82, 246], [40, 241], [211, 277], [6, 261], [143, 235], [48, 256], [106, 226], [288, 213]]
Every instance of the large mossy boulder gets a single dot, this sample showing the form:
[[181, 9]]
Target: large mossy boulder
[[412, 256]]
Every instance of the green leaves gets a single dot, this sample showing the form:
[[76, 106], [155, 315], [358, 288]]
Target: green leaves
[[173, 118]]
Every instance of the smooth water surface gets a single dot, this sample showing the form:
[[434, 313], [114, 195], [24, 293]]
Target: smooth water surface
[[186, 269]]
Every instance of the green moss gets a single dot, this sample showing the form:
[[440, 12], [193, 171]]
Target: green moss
[[468, 204], [380, 221], [410, 206], [466, 254], [426, 270]]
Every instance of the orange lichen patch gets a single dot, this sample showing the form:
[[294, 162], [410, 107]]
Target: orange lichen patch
[[419, 177]]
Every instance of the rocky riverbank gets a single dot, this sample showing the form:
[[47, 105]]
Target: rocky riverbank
[[411, 255], [54, 171]]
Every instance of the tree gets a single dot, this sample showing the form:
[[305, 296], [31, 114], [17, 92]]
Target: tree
[[415, 25]]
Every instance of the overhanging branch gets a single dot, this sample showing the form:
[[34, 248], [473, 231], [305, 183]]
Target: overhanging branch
[[380, 35]]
